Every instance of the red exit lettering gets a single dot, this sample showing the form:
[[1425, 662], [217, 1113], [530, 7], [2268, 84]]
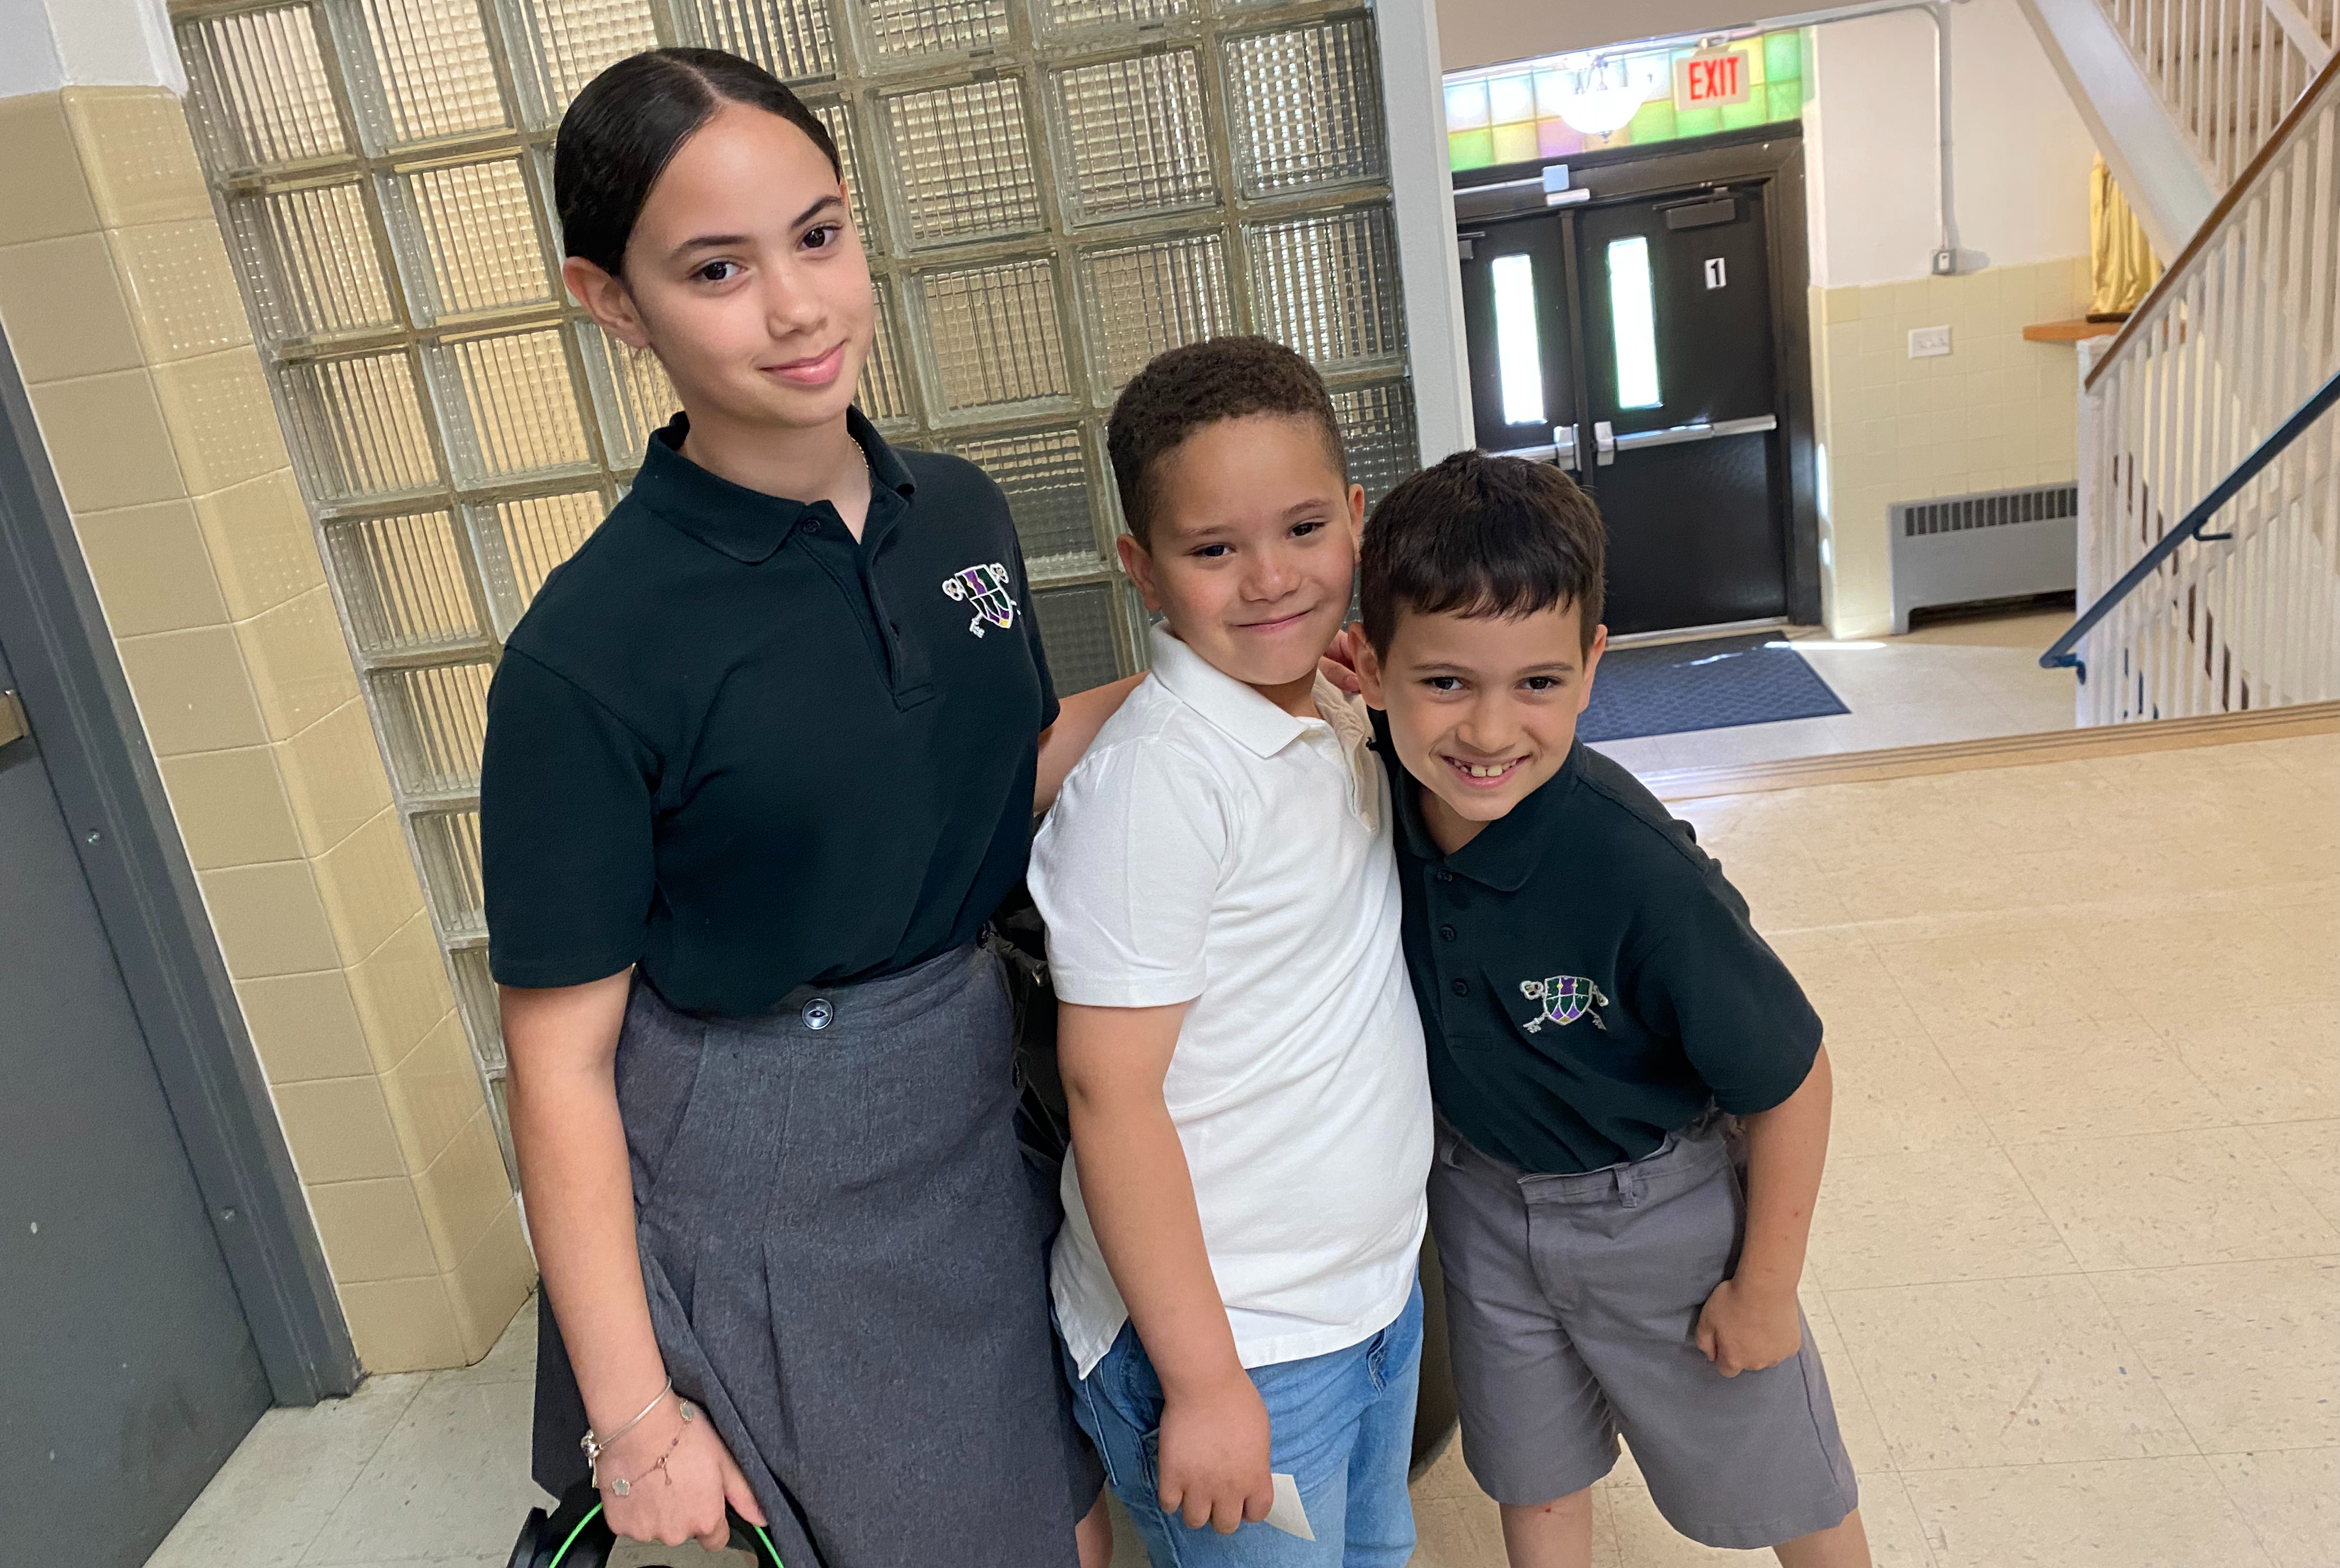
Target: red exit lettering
[[1706, 81]]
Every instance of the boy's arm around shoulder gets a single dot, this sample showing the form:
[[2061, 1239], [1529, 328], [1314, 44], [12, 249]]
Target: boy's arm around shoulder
[[1140, 1199]]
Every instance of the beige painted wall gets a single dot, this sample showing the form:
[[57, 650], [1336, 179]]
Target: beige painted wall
[[118, 300], [1996, 412], [2021, 156], [1993, 413]]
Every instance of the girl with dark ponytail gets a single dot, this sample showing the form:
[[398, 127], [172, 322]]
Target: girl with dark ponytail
[[761, 758]]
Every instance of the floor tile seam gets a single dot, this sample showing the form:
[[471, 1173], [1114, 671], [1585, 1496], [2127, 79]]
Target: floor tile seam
[[2332, 1257], [1837, 1290], [2191, 1451], [2056, 1464], [2071, 1138], [2154, 1374], [1965, 1090], [2009, 1151], [357, 1470], [1977, 1279], [1851, 1367], [2039, 1206], [2258, 1448], [1925, 1537], [2177, 1418], [326, 1522], [2236, 1511], [2298, 1189], [2249, 1516], [2088, 1138], [2129, 1341], [1951, 925]]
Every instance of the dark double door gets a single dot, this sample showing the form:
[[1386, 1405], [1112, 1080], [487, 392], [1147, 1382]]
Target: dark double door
[[1634, 342]]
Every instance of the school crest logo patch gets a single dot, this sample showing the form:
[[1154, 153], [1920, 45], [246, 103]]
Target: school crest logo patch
[[986, 587], [1564, 998]]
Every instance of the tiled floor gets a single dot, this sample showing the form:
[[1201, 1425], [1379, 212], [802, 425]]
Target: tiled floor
[[1962, 681], [2077, 1268]]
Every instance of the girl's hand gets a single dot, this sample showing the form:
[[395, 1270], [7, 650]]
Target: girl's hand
[[684, 1500]]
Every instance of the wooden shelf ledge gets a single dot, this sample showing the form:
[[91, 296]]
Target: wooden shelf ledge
[[2070, 331]]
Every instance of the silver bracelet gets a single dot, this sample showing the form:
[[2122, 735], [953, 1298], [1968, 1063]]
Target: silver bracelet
[[595, 1445]]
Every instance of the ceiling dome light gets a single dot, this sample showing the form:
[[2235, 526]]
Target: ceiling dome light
[[1600, 97]]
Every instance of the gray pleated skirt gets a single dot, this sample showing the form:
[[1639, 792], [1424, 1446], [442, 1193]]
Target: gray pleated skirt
[[847, 1260]]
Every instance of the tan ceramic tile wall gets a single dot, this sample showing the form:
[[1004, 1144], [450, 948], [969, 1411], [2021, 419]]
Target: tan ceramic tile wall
[[1994, 413], [117, 294]]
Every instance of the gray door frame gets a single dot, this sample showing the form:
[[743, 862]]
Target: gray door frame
[[70, 681]]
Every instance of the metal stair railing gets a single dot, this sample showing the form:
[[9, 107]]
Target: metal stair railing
[[2060, 654], [2209, 405]]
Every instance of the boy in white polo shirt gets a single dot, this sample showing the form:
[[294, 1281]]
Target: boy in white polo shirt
[[1235, 1281]]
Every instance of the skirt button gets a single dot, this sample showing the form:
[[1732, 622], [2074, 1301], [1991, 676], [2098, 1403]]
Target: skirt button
[[818, 1013]]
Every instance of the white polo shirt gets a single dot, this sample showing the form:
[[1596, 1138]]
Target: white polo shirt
[[1213, 848]]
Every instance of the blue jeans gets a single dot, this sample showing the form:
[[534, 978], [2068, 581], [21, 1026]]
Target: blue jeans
[[1340, 1424]]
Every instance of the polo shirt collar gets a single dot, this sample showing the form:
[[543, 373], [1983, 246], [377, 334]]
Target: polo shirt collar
[[1506, 852], [745, 524], [1256, 724]]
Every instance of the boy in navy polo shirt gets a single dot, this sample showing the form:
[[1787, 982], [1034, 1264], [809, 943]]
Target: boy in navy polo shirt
[[1608, 1040]]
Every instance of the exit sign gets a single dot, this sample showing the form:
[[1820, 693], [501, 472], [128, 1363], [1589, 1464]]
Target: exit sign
[[1710, 80]]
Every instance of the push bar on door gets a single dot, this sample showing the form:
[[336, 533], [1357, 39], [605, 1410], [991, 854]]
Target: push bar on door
[[1561, 452], [1697, 430]]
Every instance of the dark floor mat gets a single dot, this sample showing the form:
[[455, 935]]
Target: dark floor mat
[[1714, 684]]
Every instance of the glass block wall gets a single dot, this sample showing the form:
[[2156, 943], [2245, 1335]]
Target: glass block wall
[[1051, 192], [1519, 112]]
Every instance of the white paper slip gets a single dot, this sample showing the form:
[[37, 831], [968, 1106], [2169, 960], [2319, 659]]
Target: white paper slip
[[1285, 1513]]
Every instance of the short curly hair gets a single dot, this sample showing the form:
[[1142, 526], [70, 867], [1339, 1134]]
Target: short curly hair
[[1185, 389]]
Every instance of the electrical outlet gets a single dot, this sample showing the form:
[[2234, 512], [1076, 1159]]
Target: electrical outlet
[[1925, 343]]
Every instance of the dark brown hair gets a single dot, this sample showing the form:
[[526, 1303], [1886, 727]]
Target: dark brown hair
[[625, 127], [1481, 536], [1185, 389]]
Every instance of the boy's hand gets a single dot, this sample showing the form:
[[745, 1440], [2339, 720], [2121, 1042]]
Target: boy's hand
[[1340, 663], [1214, 1457], [1746, 1328]]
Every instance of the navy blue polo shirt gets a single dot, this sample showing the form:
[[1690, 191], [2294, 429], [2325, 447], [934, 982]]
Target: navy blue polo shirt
[[1588, 980], [734, 745]]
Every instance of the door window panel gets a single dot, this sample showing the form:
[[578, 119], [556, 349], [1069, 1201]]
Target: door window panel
[[1519, 351], [1633, 323]]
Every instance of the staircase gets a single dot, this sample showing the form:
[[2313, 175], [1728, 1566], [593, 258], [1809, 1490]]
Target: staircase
[[2209, 548]]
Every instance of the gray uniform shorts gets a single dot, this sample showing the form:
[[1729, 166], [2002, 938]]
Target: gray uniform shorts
[[1572, 1305]]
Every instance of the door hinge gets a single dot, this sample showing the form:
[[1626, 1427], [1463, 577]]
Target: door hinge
[[14, 725]]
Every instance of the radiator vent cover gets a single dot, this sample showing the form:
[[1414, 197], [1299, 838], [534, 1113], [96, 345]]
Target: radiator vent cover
[[1993, 508], [1967, 549]]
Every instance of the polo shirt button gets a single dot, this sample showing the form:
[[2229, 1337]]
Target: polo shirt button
[[1461, 987], [1444, 875], [819, 1013], [809, 525], [1446, 933]]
